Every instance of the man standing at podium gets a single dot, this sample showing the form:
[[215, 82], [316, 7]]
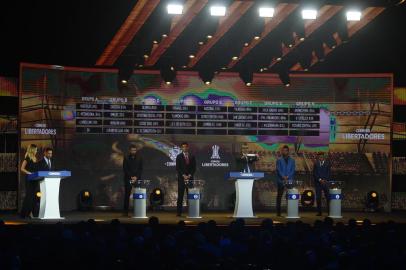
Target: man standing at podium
[[245, 160], [321, 175], [132, 167], [46, 163], [285, 170], [185, 167]]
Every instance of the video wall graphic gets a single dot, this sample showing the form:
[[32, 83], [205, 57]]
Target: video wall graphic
[[90, 120]]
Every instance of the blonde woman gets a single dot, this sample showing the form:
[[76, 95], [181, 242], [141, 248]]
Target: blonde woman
[[28, 166]]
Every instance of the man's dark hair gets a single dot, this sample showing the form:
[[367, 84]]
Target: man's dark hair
[[48, 149], [132, 146], [320, 154], [184, 143], [285, 147]]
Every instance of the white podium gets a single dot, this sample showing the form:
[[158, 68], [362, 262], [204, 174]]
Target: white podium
[[49, 182], [243, 190], [140, 199], [292, 197], [335, 199], [194, 196]]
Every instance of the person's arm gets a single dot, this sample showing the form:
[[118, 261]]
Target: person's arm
[[328, 171], [126, 168], [193, 166], [279, 171], [23, 165], [316, 174], [178, 167], [292, 168], [139, 167]]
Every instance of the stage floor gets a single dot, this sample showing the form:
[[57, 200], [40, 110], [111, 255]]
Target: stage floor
[[222, 218]]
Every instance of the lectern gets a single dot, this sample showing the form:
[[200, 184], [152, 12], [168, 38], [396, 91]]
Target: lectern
[[243, 190], [335, 195], [140, 198], [194, 195], [49, 182]]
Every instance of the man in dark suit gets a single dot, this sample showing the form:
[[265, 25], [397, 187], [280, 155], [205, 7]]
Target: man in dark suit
[[132, 167], [321, 175], [245, 161], [285, 170], [185, 167], [46, 163]]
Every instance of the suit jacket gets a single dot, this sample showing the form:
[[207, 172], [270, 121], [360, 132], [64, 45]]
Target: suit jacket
[[183, 168], [322, 172], [132, 166], [285, 169], [42, 165], [242, 163]]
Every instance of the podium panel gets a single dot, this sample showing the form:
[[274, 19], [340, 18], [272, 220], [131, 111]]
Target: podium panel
[[335, 196], [194, 197], [49, 187], [140, 198], [243, 192]]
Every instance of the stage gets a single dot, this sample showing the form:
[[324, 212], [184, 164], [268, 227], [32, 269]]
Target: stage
[[222, 218]]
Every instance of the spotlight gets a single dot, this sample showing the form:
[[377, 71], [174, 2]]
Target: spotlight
[[309, 14], [266, 12], [331, 42], [168, 74], [353, 15], [175, 9], [246, 44], [155, 41], [164, 35], [146, 56], [307, 198], [257, 37], [156, 199], [207, 75], [218, 11], [209, 36], [85, 200], [284, 77], [38, 194], [305, 57], [247, 75], [191, 56], [124, 73], [234, 58], [201, 42], [319, 51], [372, 201]]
